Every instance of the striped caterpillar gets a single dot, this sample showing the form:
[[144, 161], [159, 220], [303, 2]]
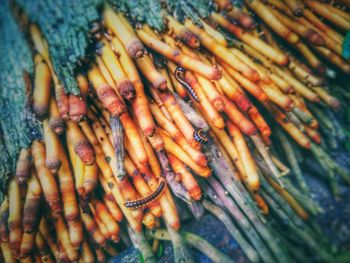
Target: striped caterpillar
[[147, 199], [179, 75], [200, 136]]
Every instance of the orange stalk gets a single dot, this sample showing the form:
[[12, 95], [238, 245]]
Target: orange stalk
[[124, 86], [53, 160], [141, 185], [259, 122], [244, 124], [307, 33], [251, 176], [55, 120], [178, 57], [64, 239], [222, 52], [326, 97], [133, 217], [289, 127], [177, 151], [324, 11], [177, 85], [4, 214], [265, 49], [268, 17], [106, 93], [31, 204], [15, 218], [182, 33], [80, 144], [42, 248], [234, 92], [334, 58], [176, 135], [87, 256], [229, 146], [77, 103], [93, 230], [103, 214], [146, 66], [298, 86], [70, 202], [179, 118], [242, 18], [47, 235], [204, 102], [23, 166], [90, 178], [313, 134], [140, 103], [122, 30], [134, 137], [42, 88], [187, 178], [6, 252], [251, 87], [276, 96], [329, 31], [46, 178], [113, 207]]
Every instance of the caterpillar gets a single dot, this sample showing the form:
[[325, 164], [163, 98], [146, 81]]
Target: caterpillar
[[147, 199], [180, 75], [200, 136]]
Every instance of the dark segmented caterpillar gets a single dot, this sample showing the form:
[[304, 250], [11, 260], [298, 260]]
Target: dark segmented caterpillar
[[180, 75], [147, 199], [200, 136]]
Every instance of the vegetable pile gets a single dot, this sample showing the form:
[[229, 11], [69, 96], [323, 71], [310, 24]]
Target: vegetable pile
[[144, 110]]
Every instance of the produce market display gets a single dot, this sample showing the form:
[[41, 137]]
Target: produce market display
[[117, 118]]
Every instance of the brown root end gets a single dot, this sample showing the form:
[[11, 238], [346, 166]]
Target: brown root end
[[202, 161], [110, 100], [149, 132], [290, 90], [126, 89], [219, 104], [77, 108], [135, 48], [335, 104], [57, 125], [246, 22], [253, 75], [22, 176], [53, 165], [285, 61], [190, 38], [40, 111], [216, 75], [85, 152], [55, 204], [315, 38]]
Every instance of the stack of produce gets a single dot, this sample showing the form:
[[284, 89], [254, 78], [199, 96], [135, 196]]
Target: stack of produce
[[144, 110]]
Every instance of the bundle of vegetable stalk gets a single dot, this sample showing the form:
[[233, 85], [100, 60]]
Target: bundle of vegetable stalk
[[149, 110]]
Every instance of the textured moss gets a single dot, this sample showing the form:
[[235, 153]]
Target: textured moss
[[66, 25], [17, 124]]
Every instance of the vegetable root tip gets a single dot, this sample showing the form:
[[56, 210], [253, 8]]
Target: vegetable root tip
[[127, 90]]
